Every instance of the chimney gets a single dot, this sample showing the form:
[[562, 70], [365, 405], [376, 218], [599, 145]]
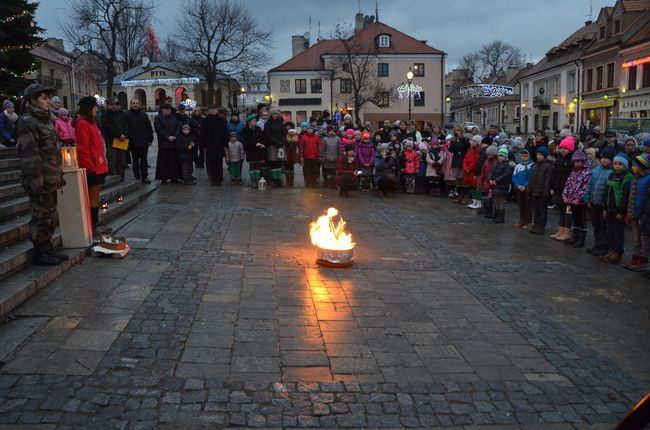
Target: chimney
[[359, 23], [298, 44], [55, 43], [588, 22]]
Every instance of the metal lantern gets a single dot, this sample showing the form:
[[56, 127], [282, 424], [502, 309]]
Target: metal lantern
[[69, 158]]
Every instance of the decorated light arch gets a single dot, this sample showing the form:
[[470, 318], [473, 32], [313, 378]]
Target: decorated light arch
[[486, 91]]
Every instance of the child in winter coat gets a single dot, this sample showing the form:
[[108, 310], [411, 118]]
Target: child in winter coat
[[290, 155], [500, 180], [234, 156], [539, 189], [411, 166], [614, 203], [64, 128], [487, 208], [311, 153], [185, 148], [420, 176], [520, 178], [469, 170], [573, 198], [435, 160], [365, 153], [331, 145], [594, 197], [561, 170], [642, 217], [447, 172], [640, 169]]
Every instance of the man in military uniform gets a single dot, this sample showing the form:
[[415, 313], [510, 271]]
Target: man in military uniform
[[40, 161]]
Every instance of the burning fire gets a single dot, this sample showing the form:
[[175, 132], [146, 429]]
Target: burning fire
[[325, 235]]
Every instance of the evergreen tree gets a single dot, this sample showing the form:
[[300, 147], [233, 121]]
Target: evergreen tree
[[151, 45], [18, 34]]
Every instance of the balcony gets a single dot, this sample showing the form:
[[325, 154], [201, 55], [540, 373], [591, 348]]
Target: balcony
[[49, 82], [541, 102]]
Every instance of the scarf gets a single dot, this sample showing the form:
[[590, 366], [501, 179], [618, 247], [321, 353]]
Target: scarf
[[435, 154]]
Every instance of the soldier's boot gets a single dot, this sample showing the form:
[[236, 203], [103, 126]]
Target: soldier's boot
[[45, 258]]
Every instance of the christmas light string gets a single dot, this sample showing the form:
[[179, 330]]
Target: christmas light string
[[12, 18]]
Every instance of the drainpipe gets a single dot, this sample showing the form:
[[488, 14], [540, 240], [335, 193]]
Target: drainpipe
[[442, 89], [579, 96]]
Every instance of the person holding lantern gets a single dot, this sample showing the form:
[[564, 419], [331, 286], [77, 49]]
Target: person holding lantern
[[39, 150], [91, 155]]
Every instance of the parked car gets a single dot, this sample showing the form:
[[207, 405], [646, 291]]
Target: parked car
[[469, 126]]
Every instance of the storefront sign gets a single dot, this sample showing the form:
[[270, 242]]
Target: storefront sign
[[631, 104], [636, 62], [299, 102], [597, 104]]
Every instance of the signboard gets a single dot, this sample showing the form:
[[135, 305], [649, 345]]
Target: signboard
[[300, 102], [630, 126], [597, 104], [635, 103]]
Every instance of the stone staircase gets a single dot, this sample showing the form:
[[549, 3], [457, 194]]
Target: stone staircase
[[19, 279]]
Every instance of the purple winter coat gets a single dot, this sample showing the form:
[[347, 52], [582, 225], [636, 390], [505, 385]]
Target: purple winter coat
[[365, 154], [576, 185]]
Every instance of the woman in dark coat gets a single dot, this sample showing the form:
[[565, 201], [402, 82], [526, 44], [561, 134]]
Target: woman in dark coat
[[273, 139], [255, 149], [168, 166], [458, 148]]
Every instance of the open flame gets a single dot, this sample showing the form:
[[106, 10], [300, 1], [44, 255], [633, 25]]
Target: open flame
[[326, 235]]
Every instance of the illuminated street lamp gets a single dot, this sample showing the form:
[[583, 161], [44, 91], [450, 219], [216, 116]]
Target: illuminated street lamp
[[242, 90], [555, 100], [409, 78]]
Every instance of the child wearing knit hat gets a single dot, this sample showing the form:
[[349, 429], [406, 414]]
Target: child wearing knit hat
[[562, 168], [615, 201], [594, 198], [641, 221], [500, 180], [573, 196], [640, 170], [520, 178], [539, 189]]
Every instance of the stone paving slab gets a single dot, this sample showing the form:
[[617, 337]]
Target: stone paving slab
[[226, 321]]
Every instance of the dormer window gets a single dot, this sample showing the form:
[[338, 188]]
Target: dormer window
[[384, 41], [617, 26], [602, 32]]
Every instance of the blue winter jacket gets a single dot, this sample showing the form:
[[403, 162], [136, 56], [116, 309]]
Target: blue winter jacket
[[641, 197], [596, 187], [520, 175], [7, 129]]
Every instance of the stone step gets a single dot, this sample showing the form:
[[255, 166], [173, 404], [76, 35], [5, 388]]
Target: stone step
[[9, 163], [8, 153], [11, 191], [16, 228], [19, 204], [10, 177]]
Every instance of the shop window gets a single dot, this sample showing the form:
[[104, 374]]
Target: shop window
[[286, 116], [301, 116], [317, 114]]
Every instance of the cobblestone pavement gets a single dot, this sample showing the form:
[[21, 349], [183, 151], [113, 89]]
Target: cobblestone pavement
[[220, 317]]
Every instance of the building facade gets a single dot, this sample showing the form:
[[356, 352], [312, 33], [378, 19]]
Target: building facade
[[634, 71], [55, 70], [313, 82], [153, 82]]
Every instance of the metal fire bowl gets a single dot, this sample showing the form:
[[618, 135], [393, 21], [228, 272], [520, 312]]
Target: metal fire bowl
[[335, 258]]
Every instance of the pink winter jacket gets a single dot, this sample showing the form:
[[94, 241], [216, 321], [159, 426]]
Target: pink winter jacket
[[65, 130]]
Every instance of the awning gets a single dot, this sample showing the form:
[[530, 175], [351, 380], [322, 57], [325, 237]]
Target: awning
[[598, 104]]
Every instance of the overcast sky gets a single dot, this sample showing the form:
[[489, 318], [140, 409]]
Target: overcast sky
[[454, 26]]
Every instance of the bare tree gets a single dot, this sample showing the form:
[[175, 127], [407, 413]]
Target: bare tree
[[133, 33], [170, 50], [222, 39], [356, 60], [94, 26], [491, 59]]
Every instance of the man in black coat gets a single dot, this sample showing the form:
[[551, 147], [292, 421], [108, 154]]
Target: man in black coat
[[115, 127], [140, 138], [214, 138], [168, 167]]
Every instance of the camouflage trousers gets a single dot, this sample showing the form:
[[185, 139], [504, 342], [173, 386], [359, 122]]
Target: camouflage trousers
[[43, 222]]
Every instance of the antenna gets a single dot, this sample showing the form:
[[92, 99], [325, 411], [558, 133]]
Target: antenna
[[376, 10], [318, 30], [359, 3], [590, 9], [309, 23]]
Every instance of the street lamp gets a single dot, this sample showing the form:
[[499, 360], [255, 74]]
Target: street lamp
[[409, 78], [268, 99], [242, 90]]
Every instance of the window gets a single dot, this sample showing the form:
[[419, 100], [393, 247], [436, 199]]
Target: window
[[617, 26], [631, 78], [346, 86], [286, 116], [301, 86], [556, 89], [571, 81], [589, 82], [517, 112], [384, 41], [316, 114], [556, 121], [382, 69], [418, 69], [536, 122], [599, 77], [646, 76], [544, 122], [301, 116], [65, 102], [345, 67], [316, 86], [602, 32], [610, 75], [383, 100], [418, 100]]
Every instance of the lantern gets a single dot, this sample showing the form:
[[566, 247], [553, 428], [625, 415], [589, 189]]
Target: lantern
[[120, 198], [261, 184], [69, 158], [104, 205]]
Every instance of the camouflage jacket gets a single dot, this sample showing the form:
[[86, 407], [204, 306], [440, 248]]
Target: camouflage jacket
[[40, 152]]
